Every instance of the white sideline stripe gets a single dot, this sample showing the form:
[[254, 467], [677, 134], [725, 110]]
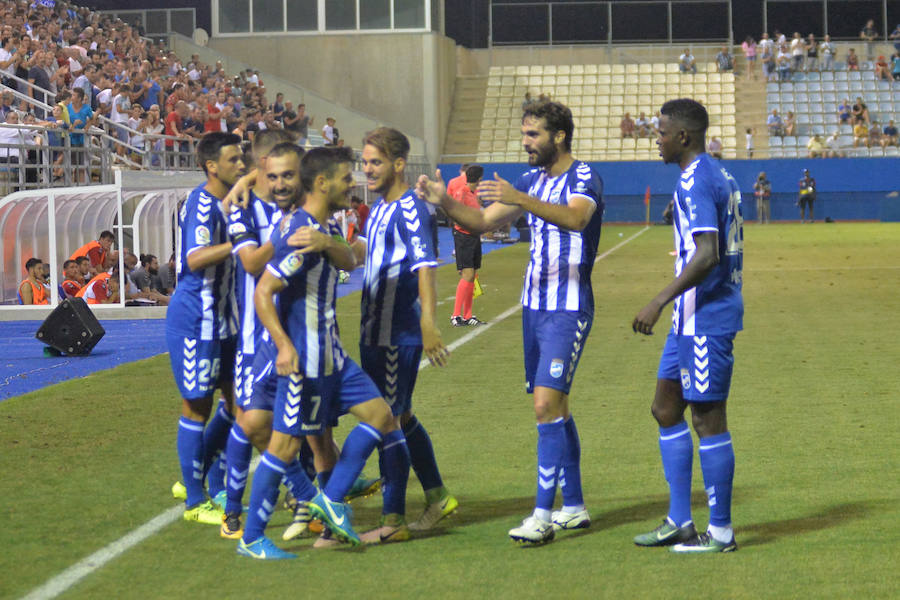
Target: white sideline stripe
[[72, 575]]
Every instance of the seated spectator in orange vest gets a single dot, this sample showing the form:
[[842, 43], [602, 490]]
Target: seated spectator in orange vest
[[32, 290], [72, 281], [98, 252], [102, 289]]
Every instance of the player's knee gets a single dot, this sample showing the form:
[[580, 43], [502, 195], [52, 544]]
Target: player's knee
[[285, 447], [197, 410], [665, 415]]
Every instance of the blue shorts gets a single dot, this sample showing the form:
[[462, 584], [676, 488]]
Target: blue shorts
[[200, 366], [243, 377], [702, 363], [308, 406], [553, 341], [394, 370], [263, 380]]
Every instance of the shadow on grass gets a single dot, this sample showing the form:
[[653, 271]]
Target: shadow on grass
[[833, 516]]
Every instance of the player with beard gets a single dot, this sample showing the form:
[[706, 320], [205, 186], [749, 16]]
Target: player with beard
[[562, 198], [398, 322]]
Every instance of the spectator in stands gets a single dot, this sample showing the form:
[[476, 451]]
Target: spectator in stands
[[329, 133], [99, 252], [32, 290], [783, 63], [299, 123], [882, 69], [271, 123], [174, 126], [749, 47], [868, 35], [81, 117], [643, 126], [833, 145], [812, 54], [654, 124], [118, 114], [895, 35], [852, 60], [72, 281], [9, 137], [145, 278], [166, 277], [895, 66], [860, 111], [362, 211], [277, 108], [627, 127], [775, 124], [875, 135], [6, 105], [889, 137], [9, 58], [768, 60], [686, 62], [714, 147], [798, 50], [815, 146], [748, 134], [828, 52], [152, 126], [762, 190], [724, 60], [860, 134], [844, 111], [790, 124]]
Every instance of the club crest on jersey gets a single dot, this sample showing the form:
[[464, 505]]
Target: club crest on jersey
[[686, 379], [236, 228], [291, 263], [201, 234], [556, 368], [418, 251]]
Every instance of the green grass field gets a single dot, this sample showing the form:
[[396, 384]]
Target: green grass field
[[813, 413]]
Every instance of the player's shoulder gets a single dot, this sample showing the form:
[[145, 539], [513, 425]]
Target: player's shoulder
[[586, 179], [410, 200]]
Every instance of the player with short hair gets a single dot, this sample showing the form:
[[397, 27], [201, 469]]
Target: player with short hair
[[697, 361], [31, 290], [399, 322], [98, 252], [562, 197], [201, 322], [71, 278], [317, 380]]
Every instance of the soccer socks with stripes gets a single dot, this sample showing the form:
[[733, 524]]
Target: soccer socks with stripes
[[263, 496], [215, 477], [550, 449], [462, 307], [394, 462], [297, 481], [190, 456], [717, 463], [323, 477], [570, 472], [215, 436], [359, 444], [677, 450], [238, 451], [421, 455]]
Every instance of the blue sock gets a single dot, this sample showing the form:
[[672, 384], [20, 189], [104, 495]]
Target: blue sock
[[297, 482], [550, 448], [190, 455], [717, 462], [238, 451], [570, 473], [359, 444], [677, 450], [307, 459], [421, 455], [322, 477], [215, 478], [263, 496], [394, 461], [215, 436]]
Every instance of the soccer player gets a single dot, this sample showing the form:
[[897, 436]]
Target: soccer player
[[318, 381], [72, 278], [562, 197], [31, 290], [398, 321], [468, 251], [696, 364], [98, 252], [201, 322]]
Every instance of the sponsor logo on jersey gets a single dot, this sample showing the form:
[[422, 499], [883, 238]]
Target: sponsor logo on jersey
[[201, 234], [291, 263], [556, 368], [236, 228]]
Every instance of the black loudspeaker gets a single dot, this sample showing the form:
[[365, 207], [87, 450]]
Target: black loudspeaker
[[71, 328]]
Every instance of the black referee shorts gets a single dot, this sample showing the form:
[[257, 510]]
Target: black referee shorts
[[468, 250]]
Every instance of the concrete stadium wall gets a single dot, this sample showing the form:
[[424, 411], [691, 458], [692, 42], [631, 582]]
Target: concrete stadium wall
[[404, 79], [847, 188]]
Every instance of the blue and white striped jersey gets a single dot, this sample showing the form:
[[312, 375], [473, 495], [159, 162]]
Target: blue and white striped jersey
[[559, 273], [707, 199], [250, 227], [203, 306], [398, 243], [306, 306]]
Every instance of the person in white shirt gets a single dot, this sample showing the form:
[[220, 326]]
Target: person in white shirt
[[833, 145], [797, 50], [827, 52], [118, 113], [328, 132]]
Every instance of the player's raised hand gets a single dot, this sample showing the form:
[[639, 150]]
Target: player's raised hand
[[647, 318], [287, 361], [498, 190], [431, 190], [438, 354], [309, 239]]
